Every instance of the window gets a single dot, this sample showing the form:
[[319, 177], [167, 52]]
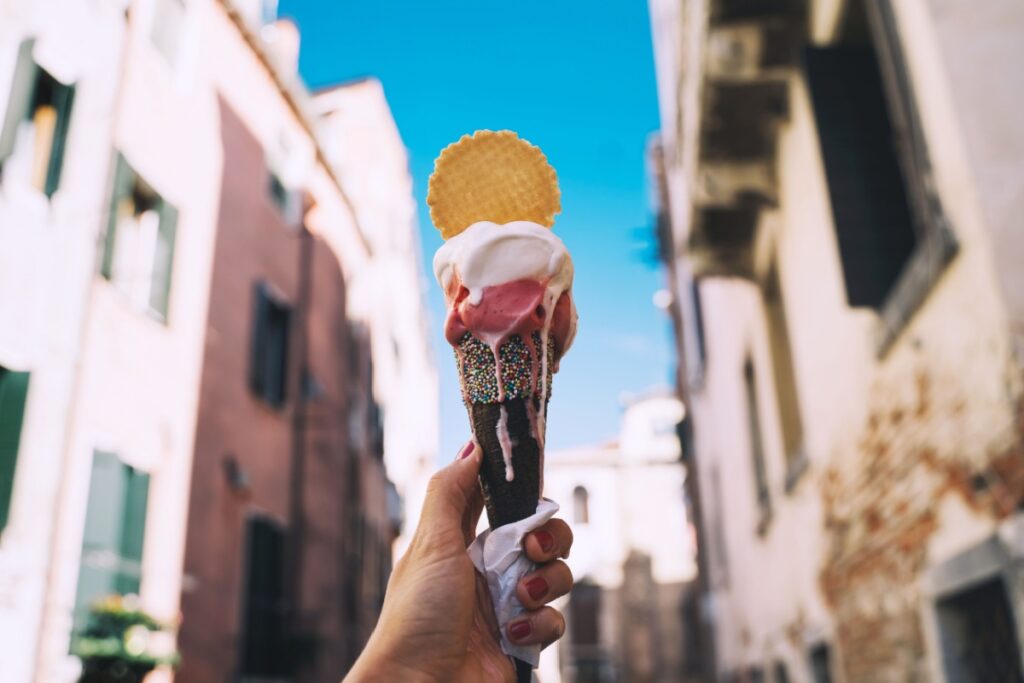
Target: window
[[35, 126], [756, 446], [268, 369], [779, 672], [115, 524], [168, 20], [785, 381], [138, 250], [13, 392], [285, 199], [892, 235], [581, 505], [698, 321], [821, 663], [263, 651], [979, 635]]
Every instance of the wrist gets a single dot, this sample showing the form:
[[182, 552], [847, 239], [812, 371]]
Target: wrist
[[378, 666]]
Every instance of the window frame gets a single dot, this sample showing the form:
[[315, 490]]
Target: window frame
[[267, 303], [126, 180], [22, 94], [937, 244]]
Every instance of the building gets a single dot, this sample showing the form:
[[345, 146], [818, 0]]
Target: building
[[838, 186], [196, 389], [632, 557]]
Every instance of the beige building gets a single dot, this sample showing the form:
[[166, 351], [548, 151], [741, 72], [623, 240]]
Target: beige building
[[839, 195], [633, 553]]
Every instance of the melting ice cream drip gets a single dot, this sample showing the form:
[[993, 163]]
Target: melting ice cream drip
[[506, 444], [508, 280]]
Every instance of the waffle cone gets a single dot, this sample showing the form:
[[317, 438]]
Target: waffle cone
[[491, 176]]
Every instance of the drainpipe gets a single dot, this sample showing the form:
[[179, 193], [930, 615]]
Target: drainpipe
[[297, 518]]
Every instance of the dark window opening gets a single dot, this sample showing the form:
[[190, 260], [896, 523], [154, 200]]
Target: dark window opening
[[764, 502], [581, 505], [138, 249], [894, 240], [37, 119], [268, 370], [278, 192], [979, 635], [821, 663], [870, 206], [264, 650], [698, 322], [585, 612], [779, 672], [13, 393]]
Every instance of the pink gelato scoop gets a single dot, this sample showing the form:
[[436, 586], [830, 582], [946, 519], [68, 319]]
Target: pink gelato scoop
[[505, 310]]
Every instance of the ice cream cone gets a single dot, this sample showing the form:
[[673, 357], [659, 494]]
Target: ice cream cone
[[508, 421], [507, 281]]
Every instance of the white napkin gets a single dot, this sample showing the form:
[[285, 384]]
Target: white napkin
[[498, 555]]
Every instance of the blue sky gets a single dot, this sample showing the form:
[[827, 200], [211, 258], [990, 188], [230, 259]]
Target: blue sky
[[575, 78]]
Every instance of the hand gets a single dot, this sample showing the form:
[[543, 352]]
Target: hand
[[438, 623]]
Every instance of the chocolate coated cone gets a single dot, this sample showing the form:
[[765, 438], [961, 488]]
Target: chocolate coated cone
[[507, 501]]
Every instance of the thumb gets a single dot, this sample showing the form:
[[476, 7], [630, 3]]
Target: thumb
[[452, 491]]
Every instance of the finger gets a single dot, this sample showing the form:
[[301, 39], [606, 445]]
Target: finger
[[543, 626], [451, 491], [550, 581], [549, 541], [471, 517]]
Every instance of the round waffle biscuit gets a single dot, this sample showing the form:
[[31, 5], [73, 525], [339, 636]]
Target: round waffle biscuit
[[491, 176]]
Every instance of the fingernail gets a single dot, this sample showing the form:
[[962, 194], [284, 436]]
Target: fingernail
[[546, 540], [537, 587], [519, 629], [466, 450]]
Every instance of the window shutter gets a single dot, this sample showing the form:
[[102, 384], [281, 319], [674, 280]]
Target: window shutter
[[258, 342], [163, 259], [873, 223], [13, 392], [63, 97], [121, 186], [101, 541], [133, 530], [22, 89], [263, 644]]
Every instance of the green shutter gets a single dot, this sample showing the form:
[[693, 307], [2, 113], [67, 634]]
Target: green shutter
[[22, 89], [103, 533], [13, 391], [133, 530], [63, 97], [163, 259], [121, 185], [258, 341]]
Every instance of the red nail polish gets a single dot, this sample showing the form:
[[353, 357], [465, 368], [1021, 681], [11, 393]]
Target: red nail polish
[[466, 450], [519, 629], [546, 540], [537, 587]]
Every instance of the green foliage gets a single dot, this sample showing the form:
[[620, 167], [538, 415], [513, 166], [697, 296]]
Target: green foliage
[[120, 643]]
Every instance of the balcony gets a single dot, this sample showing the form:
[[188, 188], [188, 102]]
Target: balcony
[[752, 47]]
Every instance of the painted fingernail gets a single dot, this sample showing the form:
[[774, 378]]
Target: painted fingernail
[[519, 629], [466, 450], [537, 587], [546, 540]]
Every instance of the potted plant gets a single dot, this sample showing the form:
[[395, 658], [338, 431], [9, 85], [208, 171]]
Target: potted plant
[[121, 644]]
